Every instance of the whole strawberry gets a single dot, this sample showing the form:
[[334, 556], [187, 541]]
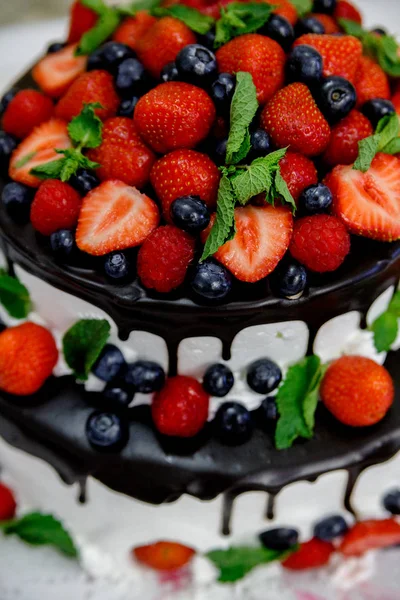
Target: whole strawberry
[[285, 9], [328, 23], [311, 555], [133, 29], [357, 391], [82, 19], [260, 56], [370, 535], [298, 171], [58, 70], [174, 115], [185, 173], [181, 408], [122, 154], [305, 131], [28, 355], [8, 504], [347, 10], [164, 556], [56, 206], [371, 81], [27, 110], [345, 136]]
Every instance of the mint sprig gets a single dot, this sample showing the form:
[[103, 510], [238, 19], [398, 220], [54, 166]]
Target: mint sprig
[[108, 21], [192, 18], [244, 106], [83, 343], [386, 327], [238, 18], [303, 7], [223, 229], [14, 296], [131, 9], [385, 139]]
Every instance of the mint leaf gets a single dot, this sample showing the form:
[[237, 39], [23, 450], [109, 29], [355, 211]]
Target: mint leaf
[[282, 190], [386, 327], [303, 7], [14, 296], [133, 8], [86, 129], [50, 170], [257, 177], [25, 159], [108, 22], [352, 28], [297, 400], [98, 6], [394, 305], [243, 109], [236, 562], [238, 18], [224, 226], [192, 18], [384, 140], [83, 343], [392, 147], [37, 529], [388, 129], [367, 150]]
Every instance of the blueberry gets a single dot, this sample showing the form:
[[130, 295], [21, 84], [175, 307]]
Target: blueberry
[[17, 198], [169, 73], [220, 151], [279, 29], [218, 380], [391, 501], [376, 109], [127, 107], [117, 266], [106, 431], [270, 408], [190, 213], [62, 243], [305, 65], [261, 144], [316, 198], [324, 6], [290, 280], [109, 364], [84, 181], [281, 538], [208, 39], [7, 146], [379, 31], [222, 91], [109, 56], [130, 78], [6, 99], [308, 25], [211, 281], [144, 376], [196, 64], [56, 47], [118, 395], [330, 528], [336, 97], [234, 424], [264, 376]]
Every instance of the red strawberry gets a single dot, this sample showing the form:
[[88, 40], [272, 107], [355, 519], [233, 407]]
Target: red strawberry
[[162, 42], [320, 242], [164, 556], [370, 535], [262, 238], [284, 8], [371, 81], [341, 54], [82, 19], [55, 206], [8, 504], [343, 146], [347, 10], [164, 258], [396, 100], [357, 391], [181, 408], [304, 130], [55, 72], [174, 115], [311, 555], [28, 355], [133, 29], [94, 86], [298, 171], [369, 203], [115, 216], [27, 110], [185, 173], [260, 56], [122, 154], [37, 149], [328, 22]]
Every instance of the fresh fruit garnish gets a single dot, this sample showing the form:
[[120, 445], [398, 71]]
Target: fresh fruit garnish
[[391, 501], [28, 355], [164, 258], [107, 432], [211, 281], [17, 198], [324, 6], [347, 10], [82, 19], [62, 243], [335, 97], [311, 555], [328, 23], [309, 25], [218, 380], [320, 242], [164, 556], [115, 216], [233, 424], [331, 528], [84, 181], [370, 535], [376, 109], [27, 110], [371, 81], [304, 131], [260, 56], [343, 146], [117, 267], [57, 71], [315, 199], [279, 29], [8, 504], [56, 206], [289, 280], [369, 203], [38, 149], [132, 30], [264, 376], [109, 56], [8, 143], [304, 64], [298, 171], [174, 115], [190, 214], [144, 376], [357, 391], [180, 409], [285, 9], [279, 538], [196, 64]]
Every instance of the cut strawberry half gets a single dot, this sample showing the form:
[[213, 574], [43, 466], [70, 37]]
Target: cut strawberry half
[[115, 216], [55, 72], [369, 203], [37, 149], [262, 238], [164, 556], [370, 535]]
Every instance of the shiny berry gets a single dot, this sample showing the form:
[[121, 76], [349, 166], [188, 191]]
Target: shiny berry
[[62, 243], [220, 151], [117, 266], [376, 109], [222, 91], [261, 144], [336, 97], [109, 364], [106, 431], [218, 380], [118, 395], [56, 47], [290, 280], [264, 376], [308, 25], [316, 198], [330, 528], [208, 39], [326, 7], [6, 99], [279, 29], [144, 376], [196, 64], [391, 502], [305, 65], [127, 107], [109, 56], [84, 181], [130, 78], [190, 213], [270, 408], [169, 73], [211, 281], [7, 146], [17, 198], [280, 539], [234, 424]]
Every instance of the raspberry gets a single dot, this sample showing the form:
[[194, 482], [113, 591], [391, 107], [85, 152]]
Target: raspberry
[[298, 171], [164, 258], [181, 408], [56, 206], [320, 242], [311, 555], [8, 505], [27, 110]]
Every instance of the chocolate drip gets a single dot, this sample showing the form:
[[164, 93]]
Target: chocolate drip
[[270, 512], [353, 475], [82, 496], [227, 512]]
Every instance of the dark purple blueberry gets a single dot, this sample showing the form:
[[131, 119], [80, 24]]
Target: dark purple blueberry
[[279, 29], [17, 199], [197, 64], [305, 65], [117, 267], [261, 144], [208, 39], [330, 528], [289, 280], [270, 408], [109, 56], [336, 97], [56, 47], [308, 25], [144, 376], [109, 364], [326, 7], [379, 31], [220, 151], [264, 376], [84, 181], [106, 432], [280, 538], [62, 243], [127, 107], [218, 380], [169, 73], [118, 395], [130, 78], [376, 109], [222, 91], [315, 198], [211, 281], [234, 424], [191, 214], [8, 143], [6, 99], [391, 501]]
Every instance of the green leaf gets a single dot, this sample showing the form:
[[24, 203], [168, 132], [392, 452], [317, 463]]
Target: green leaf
[[303, 7], [393, 147], [133, 8], [367, 149], [50, 170], [386, 326], [351, 28], [386, 139], [236, 562], [37, 529], [14, 296], [282, 190], [193, 18], [224, 226], [83, 343], [25, 159], [388, 129], [394, 305], [243, 109], [297, 400], [257, 177], [86, 129], [239, 18], [98, 6], [108, 22]]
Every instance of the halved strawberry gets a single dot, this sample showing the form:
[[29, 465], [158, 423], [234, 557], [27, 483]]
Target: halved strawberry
[[115, 216], [55, 72], [369, 203], [262, 238], [370, 535], [37, 149], [164, 556], [82, 19]]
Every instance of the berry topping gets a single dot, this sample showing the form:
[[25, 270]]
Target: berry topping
[[56, 206], [315, 198], [109, 363], [347, 10], [7, 146], [169, 73], [264, 376], [117, 266], [280, 538], [57, 71], [117, 395], [130, 78], [309, 25], [190, 214], [304, 65], [84, 181], [82, 20], [17, 198], [370, 535], [270, 409], [222, 91], [8, 504], [28, 355], [106, 432], [115, 216], [330, 528], [6, 99], [324, 6], [27, 110], [298, 171], [391, 501], [289, 280], [286, 9], [371, 81], [127, 107], [343, 146], [55, 47], [336, 97], [164, 556], [233, 424], [218, 380], [180, 409], [144, 376], [357, 391], [328, 23], [109, 56], [279, 29], [310, 555], [196, 64], [211, 281], [376, 109], [62, 243], [131, 30], [260, 144]]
